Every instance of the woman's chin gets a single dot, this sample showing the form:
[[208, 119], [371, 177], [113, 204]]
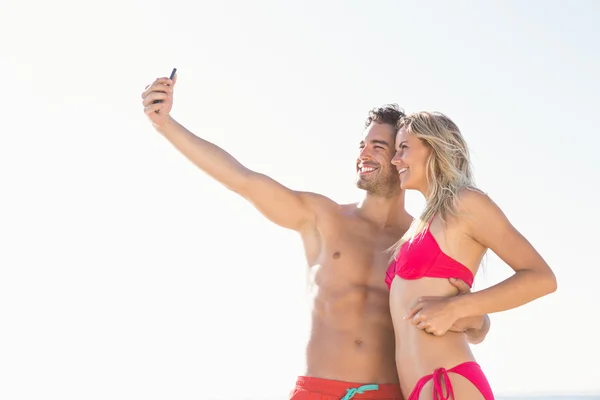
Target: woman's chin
[[406, 186]]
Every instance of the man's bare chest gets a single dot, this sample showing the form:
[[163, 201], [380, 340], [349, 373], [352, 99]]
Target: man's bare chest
[[354, 254]]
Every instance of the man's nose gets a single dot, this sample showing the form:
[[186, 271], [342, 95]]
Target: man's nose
[[364, 154]]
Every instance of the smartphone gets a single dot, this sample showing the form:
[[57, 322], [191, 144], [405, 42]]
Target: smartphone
[[170, 77]]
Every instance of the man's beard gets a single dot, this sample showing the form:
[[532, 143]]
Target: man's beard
[[383, 184]]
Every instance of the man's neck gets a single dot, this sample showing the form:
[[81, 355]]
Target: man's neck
[[384, 210]]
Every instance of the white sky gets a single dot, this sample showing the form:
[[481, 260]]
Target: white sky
[[125, 273]]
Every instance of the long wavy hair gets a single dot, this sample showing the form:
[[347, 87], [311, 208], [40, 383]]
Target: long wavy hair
[[448, 169]]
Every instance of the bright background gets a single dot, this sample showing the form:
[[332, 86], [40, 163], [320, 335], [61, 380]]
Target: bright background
[[125, 273]]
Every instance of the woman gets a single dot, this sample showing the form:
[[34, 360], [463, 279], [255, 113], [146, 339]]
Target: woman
[[458, 225]]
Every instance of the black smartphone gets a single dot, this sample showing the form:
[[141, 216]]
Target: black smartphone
[[170, 77]]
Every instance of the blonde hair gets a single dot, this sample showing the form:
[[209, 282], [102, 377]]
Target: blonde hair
[[448, 169]]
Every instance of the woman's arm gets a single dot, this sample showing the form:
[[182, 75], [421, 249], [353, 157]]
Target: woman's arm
[[533, 278], [488, 225]]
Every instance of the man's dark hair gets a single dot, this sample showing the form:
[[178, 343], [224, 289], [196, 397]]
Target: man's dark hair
[[388, 114]]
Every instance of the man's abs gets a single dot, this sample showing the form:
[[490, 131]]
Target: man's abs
[[351, 332], [352, 340]]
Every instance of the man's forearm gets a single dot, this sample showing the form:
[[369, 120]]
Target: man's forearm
[[207, 156], [281, 205], [477, 334]]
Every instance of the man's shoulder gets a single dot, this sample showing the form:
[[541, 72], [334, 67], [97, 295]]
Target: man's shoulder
[[325, 204], [317, 198]]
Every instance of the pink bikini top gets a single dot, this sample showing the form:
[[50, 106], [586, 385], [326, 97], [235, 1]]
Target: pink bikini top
[[422, 257]]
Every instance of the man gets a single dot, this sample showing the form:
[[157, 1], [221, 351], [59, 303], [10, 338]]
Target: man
[[351, 346]]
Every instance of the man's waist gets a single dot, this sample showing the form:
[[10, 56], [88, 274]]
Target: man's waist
[[340, 388], [350, 366]]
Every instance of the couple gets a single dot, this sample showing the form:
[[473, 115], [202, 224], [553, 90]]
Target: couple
[[392, 312]]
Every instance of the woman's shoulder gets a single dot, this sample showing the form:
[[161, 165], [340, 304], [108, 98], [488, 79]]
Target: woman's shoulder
[[474, 202], [471, 194]]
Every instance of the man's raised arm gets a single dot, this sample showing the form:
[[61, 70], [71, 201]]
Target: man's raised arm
[[283, 206]]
